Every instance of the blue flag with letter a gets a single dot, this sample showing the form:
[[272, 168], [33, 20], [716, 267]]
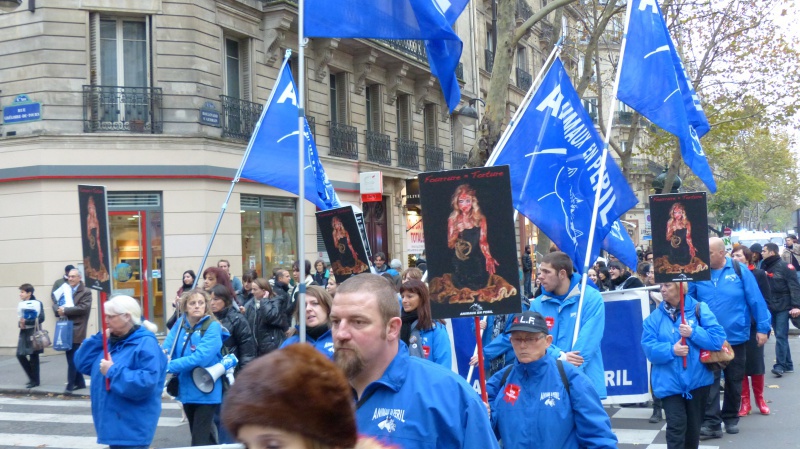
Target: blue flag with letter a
[[653, 81], [554, 153], [271, 155], [429, 20], [619, 243]]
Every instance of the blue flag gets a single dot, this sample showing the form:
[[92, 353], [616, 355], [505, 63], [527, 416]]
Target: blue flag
[[429, 20], [619, 243], [653, 81], [554, 153], [271, 156]]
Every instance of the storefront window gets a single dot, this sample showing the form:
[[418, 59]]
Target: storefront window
[[269, 234]]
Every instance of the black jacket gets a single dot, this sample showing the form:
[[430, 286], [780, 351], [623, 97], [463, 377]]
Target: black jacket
[[241, 342], [783, 285], [626, 281], [527, 263], [267, 320]]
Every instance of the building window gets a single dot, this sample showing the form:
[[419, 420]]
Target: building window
[[269, 230], [431, 126], [403, 111], [237, 68], [123, 52], [339, 100], [374, 108]]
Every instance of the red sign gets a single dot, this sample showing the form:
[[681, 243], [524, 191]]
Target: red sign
[[511, 394], [371, 197], [727, 232]]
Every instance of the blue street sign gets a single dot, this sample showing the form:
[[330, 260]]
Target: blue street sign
[[22, 110], [209, 115]]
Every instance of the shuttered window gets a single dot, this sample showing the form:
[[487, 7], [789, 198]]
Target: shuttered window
[[431, 126], [374, 96], [403, 110]]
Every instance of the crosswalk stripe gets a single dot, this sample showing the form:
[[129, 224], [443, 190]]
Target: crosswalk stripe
[[66, 442], [63, 418], [69, 403], [634, 436]]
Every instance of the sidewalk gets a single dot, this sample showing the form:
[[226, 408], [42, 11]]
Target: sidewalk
[[52, 374]]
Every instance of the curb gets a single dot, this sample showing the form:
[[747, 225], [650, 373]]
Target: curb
[[40, 392]]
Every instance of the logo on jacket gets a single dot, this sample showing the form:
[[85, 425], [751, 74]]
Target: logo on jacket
[[511, 393], [550, 322], [550, 398], [389, 417], [329, 346]]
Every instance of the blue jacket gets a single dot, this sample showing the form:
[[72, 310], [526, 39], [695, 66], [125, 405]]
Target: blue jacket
[[435, 343], [544, 415], [593, 323], [200, 351], [323, 344], [734, 301], [659, 335], [136, 379], [417, 404]]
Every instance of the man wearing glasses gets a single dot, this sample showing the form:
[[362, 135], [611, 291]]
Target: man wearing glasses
[[541, 401]]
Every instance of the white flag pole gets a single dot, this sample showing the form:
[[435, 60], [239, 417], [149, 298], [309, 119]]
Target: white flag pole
[[601, 173], [301, 117], [238, 173]]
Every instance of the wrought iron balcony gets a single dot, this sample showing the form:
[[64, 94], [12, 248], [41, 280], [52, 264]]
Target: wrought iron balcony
[[407, 154], [489, 60], [458, 160], [624, 118], [379, 148], [118, 108], [344, 140], [413, 48], [239, 117], [434, 158], [524, 79]]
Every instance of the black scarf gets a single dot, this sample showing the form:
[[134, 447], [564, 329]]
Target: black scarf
[[113, 339], [408, 319], [621, 279], [671, 310], [316, 331]]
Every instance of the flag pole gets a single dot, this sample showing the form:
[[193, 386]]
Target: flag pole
[[238, 175], [523, 106], [301, 180], [601, 174]]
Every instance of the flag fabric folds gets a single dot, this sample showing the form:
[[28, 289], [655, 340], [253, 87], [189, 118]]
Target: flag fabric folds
[[429, 20], [554, 153], [271, 156], [619, 243], [653, 81]]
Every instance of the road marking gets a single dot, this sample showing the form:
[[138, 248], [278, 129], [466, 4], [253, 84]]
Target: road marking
[[68, 403], [634, 436], [64, 418], [67, 442]]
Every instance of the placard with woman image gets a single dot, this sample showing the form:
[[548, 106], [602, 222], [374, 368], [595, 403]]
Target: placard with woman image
[[94, 237], [680, 237], [343, 242], [470, 242]]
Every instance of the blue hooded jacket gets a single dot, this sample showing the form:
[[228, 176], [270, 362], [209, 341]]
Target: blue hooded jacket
[[659, 335], [734, 300], [418, 404], [435, 342], [593, 322], [323, 344], [136, 379], [533, 409], [202, 351]]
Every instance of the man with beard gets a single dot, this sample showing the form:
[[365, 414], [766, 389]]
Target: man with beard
[[402, 400]]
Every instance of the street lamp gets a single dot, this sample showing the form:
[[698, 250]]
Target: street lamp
[[468, 115], [660, 180]]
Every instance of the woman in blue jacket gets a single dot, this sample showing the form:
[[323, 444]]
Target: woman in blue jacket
[[135, 370], [683, 391], [425, 338], [318, 325], [199, 338]]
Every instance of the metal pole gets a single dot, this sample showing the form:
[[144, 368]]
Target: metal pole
[[301, 286]]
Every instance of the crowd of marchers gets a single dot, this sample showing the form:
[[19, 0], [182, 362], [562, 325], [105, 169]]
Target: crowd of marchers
[[379, 373]]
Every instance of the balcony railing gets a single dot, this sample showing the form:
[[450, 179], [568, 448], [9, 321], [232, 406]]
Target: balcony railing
[[524, 79], [434, 158], [407, 154], [488, 59], [458, 159], [344, 140], [379, 148], [118, 108], [624, 118], [413, 48], [239, 117]]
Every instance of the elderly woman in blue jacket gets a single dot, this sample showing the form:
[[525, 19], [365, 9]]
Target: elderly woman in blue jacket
[[135, 370], [198, 340], [425, 337], [666, 340]]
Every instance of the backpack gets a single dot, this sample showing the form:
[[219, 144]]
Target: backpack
[[561, 371]]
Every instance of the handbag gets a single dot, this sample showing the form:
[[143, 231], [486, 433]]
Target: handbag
[[714, 360], [40, 338], [63, 335], [173, 386]]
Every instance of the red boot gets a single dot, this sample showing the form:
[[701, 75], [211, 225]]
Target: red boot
[[758, 392], [744, 408]]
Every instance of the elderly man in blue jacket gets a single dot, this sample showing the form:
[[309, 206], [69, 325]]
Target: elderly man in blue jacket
[[558, 303], [404, 401], [733, 296], [542, 402]]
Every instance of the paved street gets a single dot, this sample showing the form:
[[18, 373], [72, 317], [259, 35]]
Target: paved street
[[49, 419]]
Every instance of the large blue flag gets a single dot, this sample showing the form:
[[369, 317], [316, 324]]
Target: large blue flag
[[653, 81], [554, 153], [429, 20], [273, 150], [619, 243]]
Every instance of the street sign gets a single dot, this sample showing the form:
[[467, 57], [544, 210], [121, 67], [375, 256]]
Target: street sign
[[22, 110]]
